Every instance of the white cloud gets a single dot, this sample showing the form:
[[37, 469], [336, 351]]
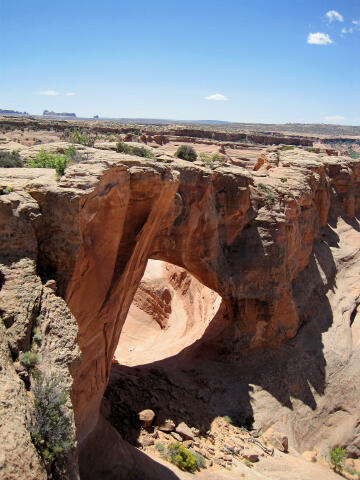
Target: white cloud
[[319, 39], [334, 15], [356, 22], [49, 92], [334, 118], [347, 30], [70, 94], [217, 97]]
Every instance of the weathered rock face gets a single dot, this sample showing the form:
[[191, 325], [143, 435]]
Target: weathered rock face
[[170, 311], [247, 237]]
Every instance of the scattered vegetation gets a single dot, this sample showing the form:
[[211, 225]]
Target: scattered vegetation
[[210, 159], [5, 190], [29, 359], [160, 447], [283, 179], [111, 139], [186, 152], [10, 159], [353, 471], [353, 154], [83, 138], [228, 419], [337, 458], [134, 131], [311, 149], [50, 427], [270, 196], [287, 147], [248, 463], [122, 147], [58, 161]]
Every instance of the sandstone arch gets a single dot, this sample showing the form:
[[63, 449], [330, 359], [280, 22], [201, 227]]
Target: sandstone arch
[[213, 222]]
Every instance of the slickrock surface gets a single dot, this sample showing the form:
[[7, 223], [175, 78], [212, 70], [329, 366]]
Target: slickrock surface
[[280, 245]]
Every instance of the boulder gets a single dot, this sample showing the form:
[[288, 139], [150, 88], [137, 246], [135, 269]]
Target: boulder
[[146, 418], [185, 431], [167, 426]]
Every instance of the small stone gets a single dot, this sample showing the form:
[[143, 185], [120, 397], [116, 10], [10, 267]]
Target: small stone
[[146, 418], [250, 455], [176, 436], [51, 284], [188, 443], [147, 441], [167, 426], [185, 431]]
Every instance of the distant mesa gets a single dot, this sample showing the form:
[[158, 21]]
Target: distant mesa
[[12, 112], [48, 113]]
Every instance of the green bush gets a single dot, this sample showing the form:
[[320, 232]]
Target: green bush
[[287, 147], [50, 427], [186, 152], [199, 459], [58, 161], [181, 457], [160, 447], [83, 138], [210, 159], [10, 159], [337, 458], [283, 179], [122, 147], [29, 359]]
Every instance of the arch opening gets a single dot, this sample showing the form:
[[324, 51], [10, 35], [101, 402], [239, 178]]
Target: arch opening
[[170, 311]]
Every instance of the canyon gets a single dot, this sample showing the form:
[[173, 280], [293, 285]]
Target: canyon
[[197, 290]]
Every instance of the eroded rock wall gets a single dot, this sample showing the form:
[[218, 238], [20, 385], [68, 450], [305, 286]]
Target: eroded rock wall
[[247, 237]]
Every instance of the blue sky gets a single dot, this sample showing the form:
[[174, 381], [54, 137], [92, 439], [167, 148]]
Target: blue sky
[[264, 61]]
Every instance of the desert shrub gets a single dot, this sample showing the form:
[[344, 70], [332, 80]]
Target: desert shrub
[[160, 447], [311, 149], [37, 338], [50, 427], [263, 187], [5, 190], [186, 152], [228, 419], [287, 147], [283, 179], [199, 459], [10, 159], [58, 161], [181, 457], [83, 138], [337, 458], [122, 147], [29, 359], [353, 154], [210, 159]]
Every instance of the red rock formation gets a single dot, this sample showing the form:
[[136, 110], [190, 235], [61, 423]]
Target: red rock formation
[[248, 238]]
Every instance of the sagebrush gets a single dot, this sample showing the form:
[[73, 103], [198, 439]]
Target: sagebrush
[[50, 426], [186, 152], [10, 159]]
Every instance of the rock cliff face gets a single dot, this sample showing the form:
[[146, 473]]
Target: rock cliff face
[[261, 240]]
